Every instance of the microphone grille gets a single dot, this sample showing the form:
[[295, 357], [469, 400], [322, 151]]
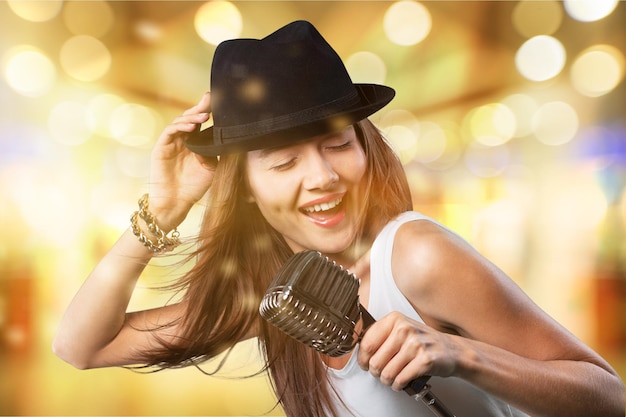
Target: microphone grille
[[315, 301]]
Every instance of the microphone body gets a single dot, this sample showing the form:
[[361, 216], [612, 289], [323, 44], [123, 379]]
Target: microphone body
[[316, 302]]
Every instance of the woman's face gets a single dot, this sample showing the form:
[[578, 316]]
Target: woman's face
[[310, 192]]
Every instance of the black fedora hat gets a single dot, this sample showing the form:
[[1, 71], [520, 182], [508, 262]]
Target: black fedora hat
[[288, 86]]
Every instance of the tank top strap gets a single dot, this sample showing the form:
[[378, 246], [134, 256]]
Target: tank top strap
[[385, 296]]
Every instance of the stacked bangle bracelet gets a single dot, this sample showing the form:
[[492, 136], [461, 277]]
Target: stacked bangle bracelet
[[156, 240]]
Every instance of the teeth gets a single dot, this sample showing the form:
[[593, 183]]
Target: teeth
[[323, 206]]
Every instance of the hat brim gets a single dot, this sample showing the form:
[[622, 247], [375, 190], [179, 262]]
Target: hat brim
[[373, 97]]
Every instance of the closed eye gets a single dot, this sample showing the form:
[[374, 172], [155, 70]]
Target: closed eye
[[342, 146], [284, 165]]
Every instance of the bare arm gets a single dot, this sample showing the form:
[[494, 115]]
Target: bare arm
[[96, 330], [484, 329]]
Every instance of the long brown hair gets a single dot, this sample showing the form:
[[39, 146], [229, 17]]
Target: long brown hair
[[237, 256]]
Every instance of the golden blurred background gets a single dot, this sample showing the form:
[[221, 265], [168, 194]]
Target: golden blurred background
[[510, 118]]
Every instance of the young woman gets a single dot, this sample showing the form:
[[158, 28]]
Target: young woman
[[301, 167]]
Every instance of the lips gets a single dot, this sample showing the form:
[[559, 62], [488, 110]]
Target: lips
[[325, 213]]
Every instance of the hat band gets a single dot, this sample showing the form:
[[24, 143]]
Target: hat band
[[234, 134]]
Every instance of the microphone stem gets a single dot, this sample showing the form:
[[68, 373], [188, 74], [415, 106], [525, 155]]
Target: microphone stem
[[432, 402]]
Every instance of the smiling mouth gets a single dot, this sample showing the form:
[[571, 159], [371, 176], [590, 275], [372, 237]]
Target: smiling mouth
[[323, 207]]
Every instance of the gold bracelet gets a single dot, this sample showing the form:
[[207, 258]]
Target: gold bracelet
[[163, 242]]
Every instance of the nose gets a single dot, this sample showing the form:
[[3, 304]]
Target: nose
[[320, 173]]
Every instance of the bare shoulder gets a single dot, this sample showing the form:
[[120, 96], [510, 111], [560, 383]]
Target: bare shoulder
[[425, 257], [454, 288], [424, 250], [450, 282]]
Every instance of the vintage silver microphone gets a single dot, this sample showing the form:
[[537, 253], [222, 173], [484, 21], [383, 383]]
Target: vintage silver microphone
[[316, 302]]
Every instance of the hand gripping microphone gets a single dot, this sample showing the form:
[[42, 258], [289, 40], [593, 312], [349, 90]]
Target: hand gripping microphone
[[316, 302]]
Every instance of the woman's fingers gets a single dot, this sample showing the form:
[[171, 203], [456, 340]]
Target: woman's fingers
[[375, 348], [400, 346], [181, 127], [411, 361], [187, 121], [397, 350]]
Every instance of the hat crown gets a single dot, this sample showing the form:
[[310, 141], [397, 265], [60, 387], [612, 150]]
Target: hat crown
[[286, 87], [262, 82]]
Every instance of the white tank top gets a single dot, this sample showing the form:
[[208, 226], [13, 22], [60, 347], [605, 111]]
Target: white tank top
[[363, 394]]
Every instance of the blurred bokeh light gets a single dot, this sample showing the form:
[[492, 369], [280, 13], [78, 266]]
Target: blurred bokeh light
[[94, 18], [509, 118], [589, 10], [492, 124], [29, 72], [36, 11], [532, 18], [407, 22], [598, 70], [540, 58], [218, 21], [366, 67], [85, 58], [555, 123]]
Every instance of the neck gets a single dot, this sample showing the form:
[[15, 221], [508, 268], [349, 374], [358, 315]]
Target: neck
[[352, 254]]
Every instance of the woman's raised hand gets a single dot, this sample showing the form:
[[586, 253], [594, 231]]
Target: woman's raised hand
[[179, 177]]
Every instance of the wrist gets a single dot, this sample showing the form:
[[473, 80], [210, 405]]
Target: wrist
[[156, 237], [168, 213], [468, 358]]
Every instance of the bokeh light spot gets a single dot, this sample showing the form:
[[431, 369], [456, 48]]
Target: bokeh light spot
[[402, 129], [598, 70], [253, 90], [85, 58], [133, 124], [589, 10], [217, 21], [366, 67], [404, 141], [532, 18], [451, 153], [399, 117], [555, 123], [540, 58], [36, 11], [523, 107], [407, 23], [28, 71], [94, 17], [99, 113], [431, 143], [492, 124], [148, 31]]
